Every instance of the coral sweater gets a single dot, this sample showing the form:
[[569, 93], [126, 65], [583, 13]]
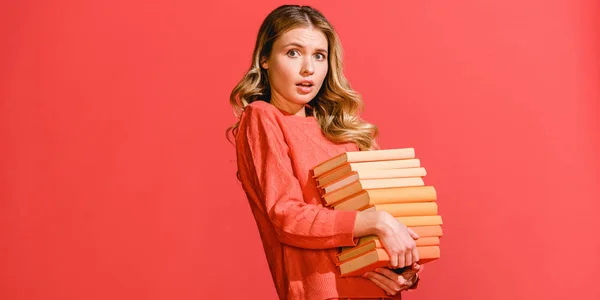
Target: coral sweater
[[275, 152]]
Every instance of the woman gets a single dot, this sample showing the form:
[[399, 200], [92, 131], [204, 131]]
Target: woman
[[296, 109]]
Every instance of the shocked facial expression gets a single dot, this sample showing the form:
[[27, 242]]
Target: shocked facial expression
[[296, 68]]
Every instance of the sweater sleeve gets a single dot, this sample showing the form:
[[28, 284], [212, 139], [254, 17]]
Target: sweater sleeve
[[266, 174]]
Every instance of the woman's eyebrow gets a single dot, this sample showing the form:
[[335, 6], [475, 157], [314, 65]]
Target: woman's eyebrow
[[301, 46]]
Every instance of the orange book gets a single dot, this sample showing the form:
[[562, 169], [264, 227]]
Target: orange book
[[370, 184], [420, 220], [428, 241], [407, 209], [375, 169], [372, 175], [339, 192], [378, 257], [386, 195], [362, 156], [431, 230], [422, 231], [376, 243]]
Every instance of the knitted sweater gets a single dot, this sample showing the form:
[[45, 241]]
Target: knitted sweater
[[275, 152]]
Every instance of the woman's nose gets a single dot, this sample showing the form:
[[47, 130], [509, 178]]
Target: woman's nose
[[307, 68]]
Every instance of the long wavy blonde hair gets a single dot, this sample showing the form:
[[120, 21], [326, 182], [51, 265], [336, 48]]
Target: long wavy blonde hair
[[336, 106]]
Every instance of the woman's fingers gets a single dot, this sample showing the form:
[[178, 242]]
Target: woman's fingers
[[400, 245], [401, 261], [383, 282], [408, 259], [411, 275], [408, 275], [390, 244], [393, 260], [413, 234], [417, 267], [411, 248], [415, 255], [393, 276], [411, 281]]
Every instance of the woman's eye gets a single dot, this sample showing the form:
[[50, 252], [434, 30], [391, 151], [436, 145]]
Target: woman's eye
[[293, 53], [320, 56]]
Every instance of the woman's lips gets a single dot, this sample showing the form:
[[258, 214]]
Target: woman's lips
[[304, 88]]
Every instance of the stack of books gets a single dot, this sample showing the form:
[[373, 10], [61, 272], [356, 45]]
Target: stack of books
[[384, 180]]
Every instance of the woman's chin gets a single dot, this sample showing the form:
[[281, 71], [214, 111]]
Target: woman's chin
[[304, 99]]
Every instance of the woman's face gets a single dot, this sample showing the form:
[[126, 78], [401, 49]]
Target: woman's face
[[296, 68]]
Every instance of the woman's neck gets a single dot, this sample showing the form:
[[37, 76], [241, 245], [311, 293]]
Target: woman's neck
[[290, 108]]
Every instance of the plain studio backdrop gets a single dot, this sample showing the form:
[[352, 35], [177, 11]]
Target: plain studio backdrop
[[117, 181]]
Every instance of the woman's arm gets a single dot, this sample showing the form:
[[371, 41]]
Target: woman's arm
[[268, 179]]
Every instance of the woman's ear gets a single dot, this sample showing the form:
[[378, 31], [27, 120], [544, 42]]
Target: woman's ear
[[263, 63]]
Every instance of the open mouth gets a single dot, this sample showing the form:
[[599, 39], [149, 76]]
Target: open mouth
[[304, 88]]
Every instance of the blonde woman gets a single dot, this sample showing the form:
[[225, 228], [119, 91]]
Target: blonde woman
[[296, 109]]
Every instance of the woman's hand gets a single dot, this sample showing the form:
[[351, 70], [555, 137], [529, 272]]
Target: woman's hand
[[399, 241], [393, 283]]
